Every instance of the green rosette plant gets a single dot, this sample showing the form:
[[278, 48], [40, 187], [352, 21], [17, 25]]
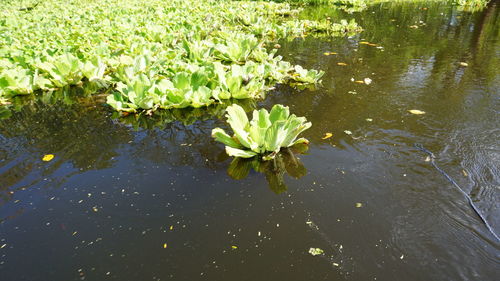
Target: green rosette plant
[[265, 135]]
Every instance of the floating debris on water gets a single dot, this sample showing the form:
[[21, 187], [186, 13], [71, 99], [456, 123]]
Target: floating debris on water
[[327, 136], [416, 111], [48, 157], [316, 251]]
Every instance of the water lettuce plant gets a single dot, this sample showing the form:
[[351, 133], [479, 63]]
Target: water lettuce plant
[[302, 75], [264, 135], [153, 54]]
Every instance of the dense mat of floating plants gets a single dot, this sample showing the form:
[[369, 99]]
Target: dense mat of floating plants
[[152, 54]]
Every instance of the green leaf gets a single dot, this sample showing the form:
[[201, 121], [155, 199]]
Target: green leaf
[[258, 127], [235, 152], [221, 136], [275, 136], [238, 120], [279, 112]]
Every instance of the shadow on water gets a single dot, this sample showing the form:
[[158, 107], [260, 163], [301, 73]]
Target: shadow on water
[[274, 170], [156, 198]]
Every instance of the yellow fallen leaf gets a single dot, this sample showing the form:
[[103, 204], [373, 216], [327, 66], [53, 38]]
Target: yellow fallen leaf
[[341, 63], [359, 81], [364, 43], [465, 173], [416, 111], [171, 227], [359, 205], [48, 157], [326, 53], [164, 245], [327, 136], [464, 64], [372, 44], [234, 247]]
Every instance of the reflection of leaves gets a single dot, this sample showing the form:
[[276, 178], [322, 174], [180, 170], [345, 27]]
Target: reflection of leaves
[[301, 86], [276, 181], [5, 113], [79, 133], [294, 167], [274, 170], [239, 168], [186, 116]]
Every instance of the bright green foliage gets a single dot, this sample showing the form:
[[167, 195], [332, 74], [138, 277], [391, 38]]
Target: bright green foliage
[[62, 70], [17, 81], [307, 76], [152, 53], [264, 135]]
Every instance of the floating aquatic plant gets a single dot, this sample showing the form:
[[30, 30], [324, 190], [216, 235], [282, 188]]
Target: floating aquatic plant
[[152, 54], [264, 135], [307, 76]]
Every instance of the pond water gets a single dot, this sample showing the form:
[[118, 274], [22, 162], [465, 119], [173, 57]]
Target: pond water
[[152, 200]]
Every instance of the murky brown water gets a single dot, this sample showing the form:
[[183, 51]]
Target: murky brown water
[[156, 202]]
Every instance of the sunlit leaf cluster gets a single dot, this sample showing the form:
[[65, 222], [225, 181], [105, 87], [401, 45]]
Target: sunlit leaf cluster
[[264, 135], [152, 53]]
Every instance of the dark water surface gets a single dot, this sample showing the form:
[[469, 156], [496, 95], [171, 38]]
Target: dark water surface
[[156, 202]]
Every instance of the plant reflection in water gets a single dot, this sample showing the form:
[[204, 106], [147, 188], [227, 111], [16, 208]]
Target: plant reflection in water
[[285, 162]]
